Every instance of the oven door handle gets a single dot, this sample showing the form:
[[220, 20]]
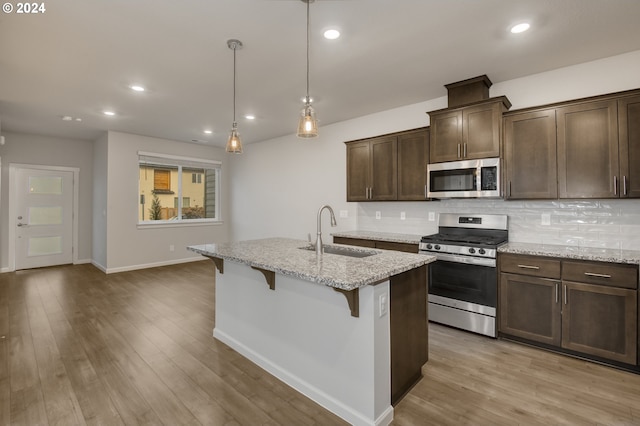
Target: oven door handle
[[464, 259]]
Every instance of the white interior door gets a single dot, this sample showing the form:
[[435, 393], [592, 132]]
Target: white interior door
[[44, 217]]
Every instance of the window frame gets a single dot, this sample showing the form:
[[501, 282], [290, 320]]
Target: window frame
[[181, 163]]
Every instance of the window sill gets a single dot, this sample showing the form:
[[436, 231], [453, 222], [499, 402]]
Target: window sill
[[159, 224]]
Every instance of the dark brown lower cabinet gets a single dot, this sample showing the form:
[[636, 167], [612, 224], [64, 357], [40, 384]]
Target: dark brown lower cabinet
[[530, 308], [596, 316], [600, 320]]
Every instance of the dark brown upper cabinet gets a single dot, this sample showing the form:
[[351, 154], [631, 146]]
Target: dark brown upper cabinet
[[413, 156], [472, 131], [388, 168], [530, 155], [588, 164], [372, 169], [629, 143]]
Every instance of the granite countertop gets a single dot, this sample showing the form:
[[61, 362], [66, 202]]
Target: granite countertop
[[380, 236], [284, 256], [569, 252]]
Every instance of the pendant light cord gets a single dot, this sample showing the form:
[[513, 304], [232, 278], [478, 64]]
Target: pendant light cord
[[307, 99], [234, 85]]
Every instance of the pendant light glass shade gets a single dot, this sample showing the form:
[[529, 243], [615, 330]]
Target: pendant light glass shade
[[234, 143], [308, 124]]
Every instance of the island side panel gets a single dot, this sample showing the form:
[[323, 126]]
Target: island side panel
[[409, 330], [304, 334]]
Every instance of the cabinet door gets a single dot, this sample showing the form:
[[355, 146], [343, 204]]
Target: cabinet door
[[413, 156], [530, 154], [446, 136], [530, 308], [384, 167], [600, 321], [358, 170], [481, 129], [629, 122], [588, 150]]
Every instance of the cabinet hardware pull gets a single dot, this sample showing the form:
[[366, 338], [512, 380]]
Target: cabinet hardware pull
[[624, 185], [509, 189], [593, 274], [528, 267], [557, 288], [458, 150], [464, 150], [615, 185], [425, 191], [565, 294]]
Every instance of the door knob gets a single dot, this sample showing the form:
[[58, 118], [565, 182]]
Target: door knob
[[22, 224]]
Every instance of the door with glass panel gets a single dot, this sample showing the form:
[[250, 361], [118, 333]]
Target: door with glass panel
[[44, 216]]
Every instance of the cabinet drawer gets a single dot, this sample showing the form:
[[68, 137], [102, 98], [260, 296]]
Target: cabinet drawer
[[354, 242], [530, 265], [390, 245], [625, 276]]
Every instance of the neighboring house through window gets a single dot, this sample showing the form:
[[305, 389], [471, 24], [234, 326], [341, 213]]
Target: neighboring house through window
[[173, 188]]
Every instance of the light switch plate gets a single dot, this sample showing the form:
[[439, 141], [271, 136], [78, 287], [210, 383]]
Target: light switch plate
[[432, 216], [403, 216], [378, 215], [344, 213]]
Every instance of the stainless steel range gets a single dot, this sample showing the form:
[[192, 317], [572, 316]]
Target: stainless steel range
[[463, 282]]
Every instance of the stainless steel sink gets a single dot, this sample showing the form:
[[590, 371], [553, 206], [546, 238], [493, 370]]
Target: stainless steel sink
[[343, 251]]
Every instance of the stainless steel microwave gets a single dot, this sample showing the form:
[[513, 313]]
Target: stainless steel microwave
[[464, 179]]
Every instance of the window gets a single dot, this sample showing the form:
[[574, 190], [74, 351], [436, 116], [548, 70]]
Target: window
[[177, 189]]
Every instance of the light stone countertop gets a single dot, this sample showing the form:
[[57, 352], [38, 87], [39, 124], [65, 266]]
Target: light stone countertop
[[284, 256], [572, 252], [380, 236]]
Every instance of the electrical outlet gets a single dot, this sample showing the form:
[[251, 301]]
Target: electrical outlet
[[344, 213], [432, 216], [403, 216], [378, 215], [172, 247], [382, 305], [546, 219]]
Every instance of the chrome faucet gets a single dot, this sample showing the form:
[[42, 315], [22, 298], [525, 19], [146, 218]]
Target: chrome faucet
[[333, 223]]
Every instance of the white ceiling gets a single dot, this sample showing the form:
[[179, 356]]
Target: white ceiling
[[79, 57]]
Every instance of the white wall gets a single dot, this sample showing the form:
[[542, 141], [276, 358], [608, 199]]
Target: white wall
[[128, 246], [278, 185], [48, 151], [99, 212]]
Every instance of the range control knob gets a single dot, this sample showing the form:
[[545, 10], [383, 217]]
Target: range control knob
[[429, 246], [437, 247], [482, 251], [472, 250]]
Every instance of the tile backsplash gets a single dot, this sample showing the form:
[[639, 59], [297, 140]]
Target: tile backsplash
[[586, 223]]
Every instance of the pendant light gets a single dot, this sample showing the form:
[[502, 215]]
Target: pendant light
[[234, 144], [308, 125]]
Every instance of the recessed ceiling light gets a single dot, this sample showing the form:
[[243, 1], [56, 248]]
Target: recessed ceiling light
[[208, 132], [67, 118], [250, 117], [109, 113], [520, 28], [331, 34], [137, 88]]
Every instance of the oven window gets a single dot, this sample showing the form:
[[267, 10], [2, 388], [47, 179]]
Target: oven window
[[453, 180], [460, 281]]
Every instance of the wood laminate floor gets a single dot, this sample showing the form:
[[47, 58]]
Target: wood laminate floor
[[81, 347]]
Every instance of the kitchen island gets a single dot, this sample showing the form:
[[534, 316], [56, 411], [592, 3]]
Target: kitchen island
[[347, 328]]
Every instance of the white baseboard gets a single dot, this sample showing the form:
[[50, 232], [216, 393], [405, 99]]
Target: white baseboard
[[150, 265], [304, 387]]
